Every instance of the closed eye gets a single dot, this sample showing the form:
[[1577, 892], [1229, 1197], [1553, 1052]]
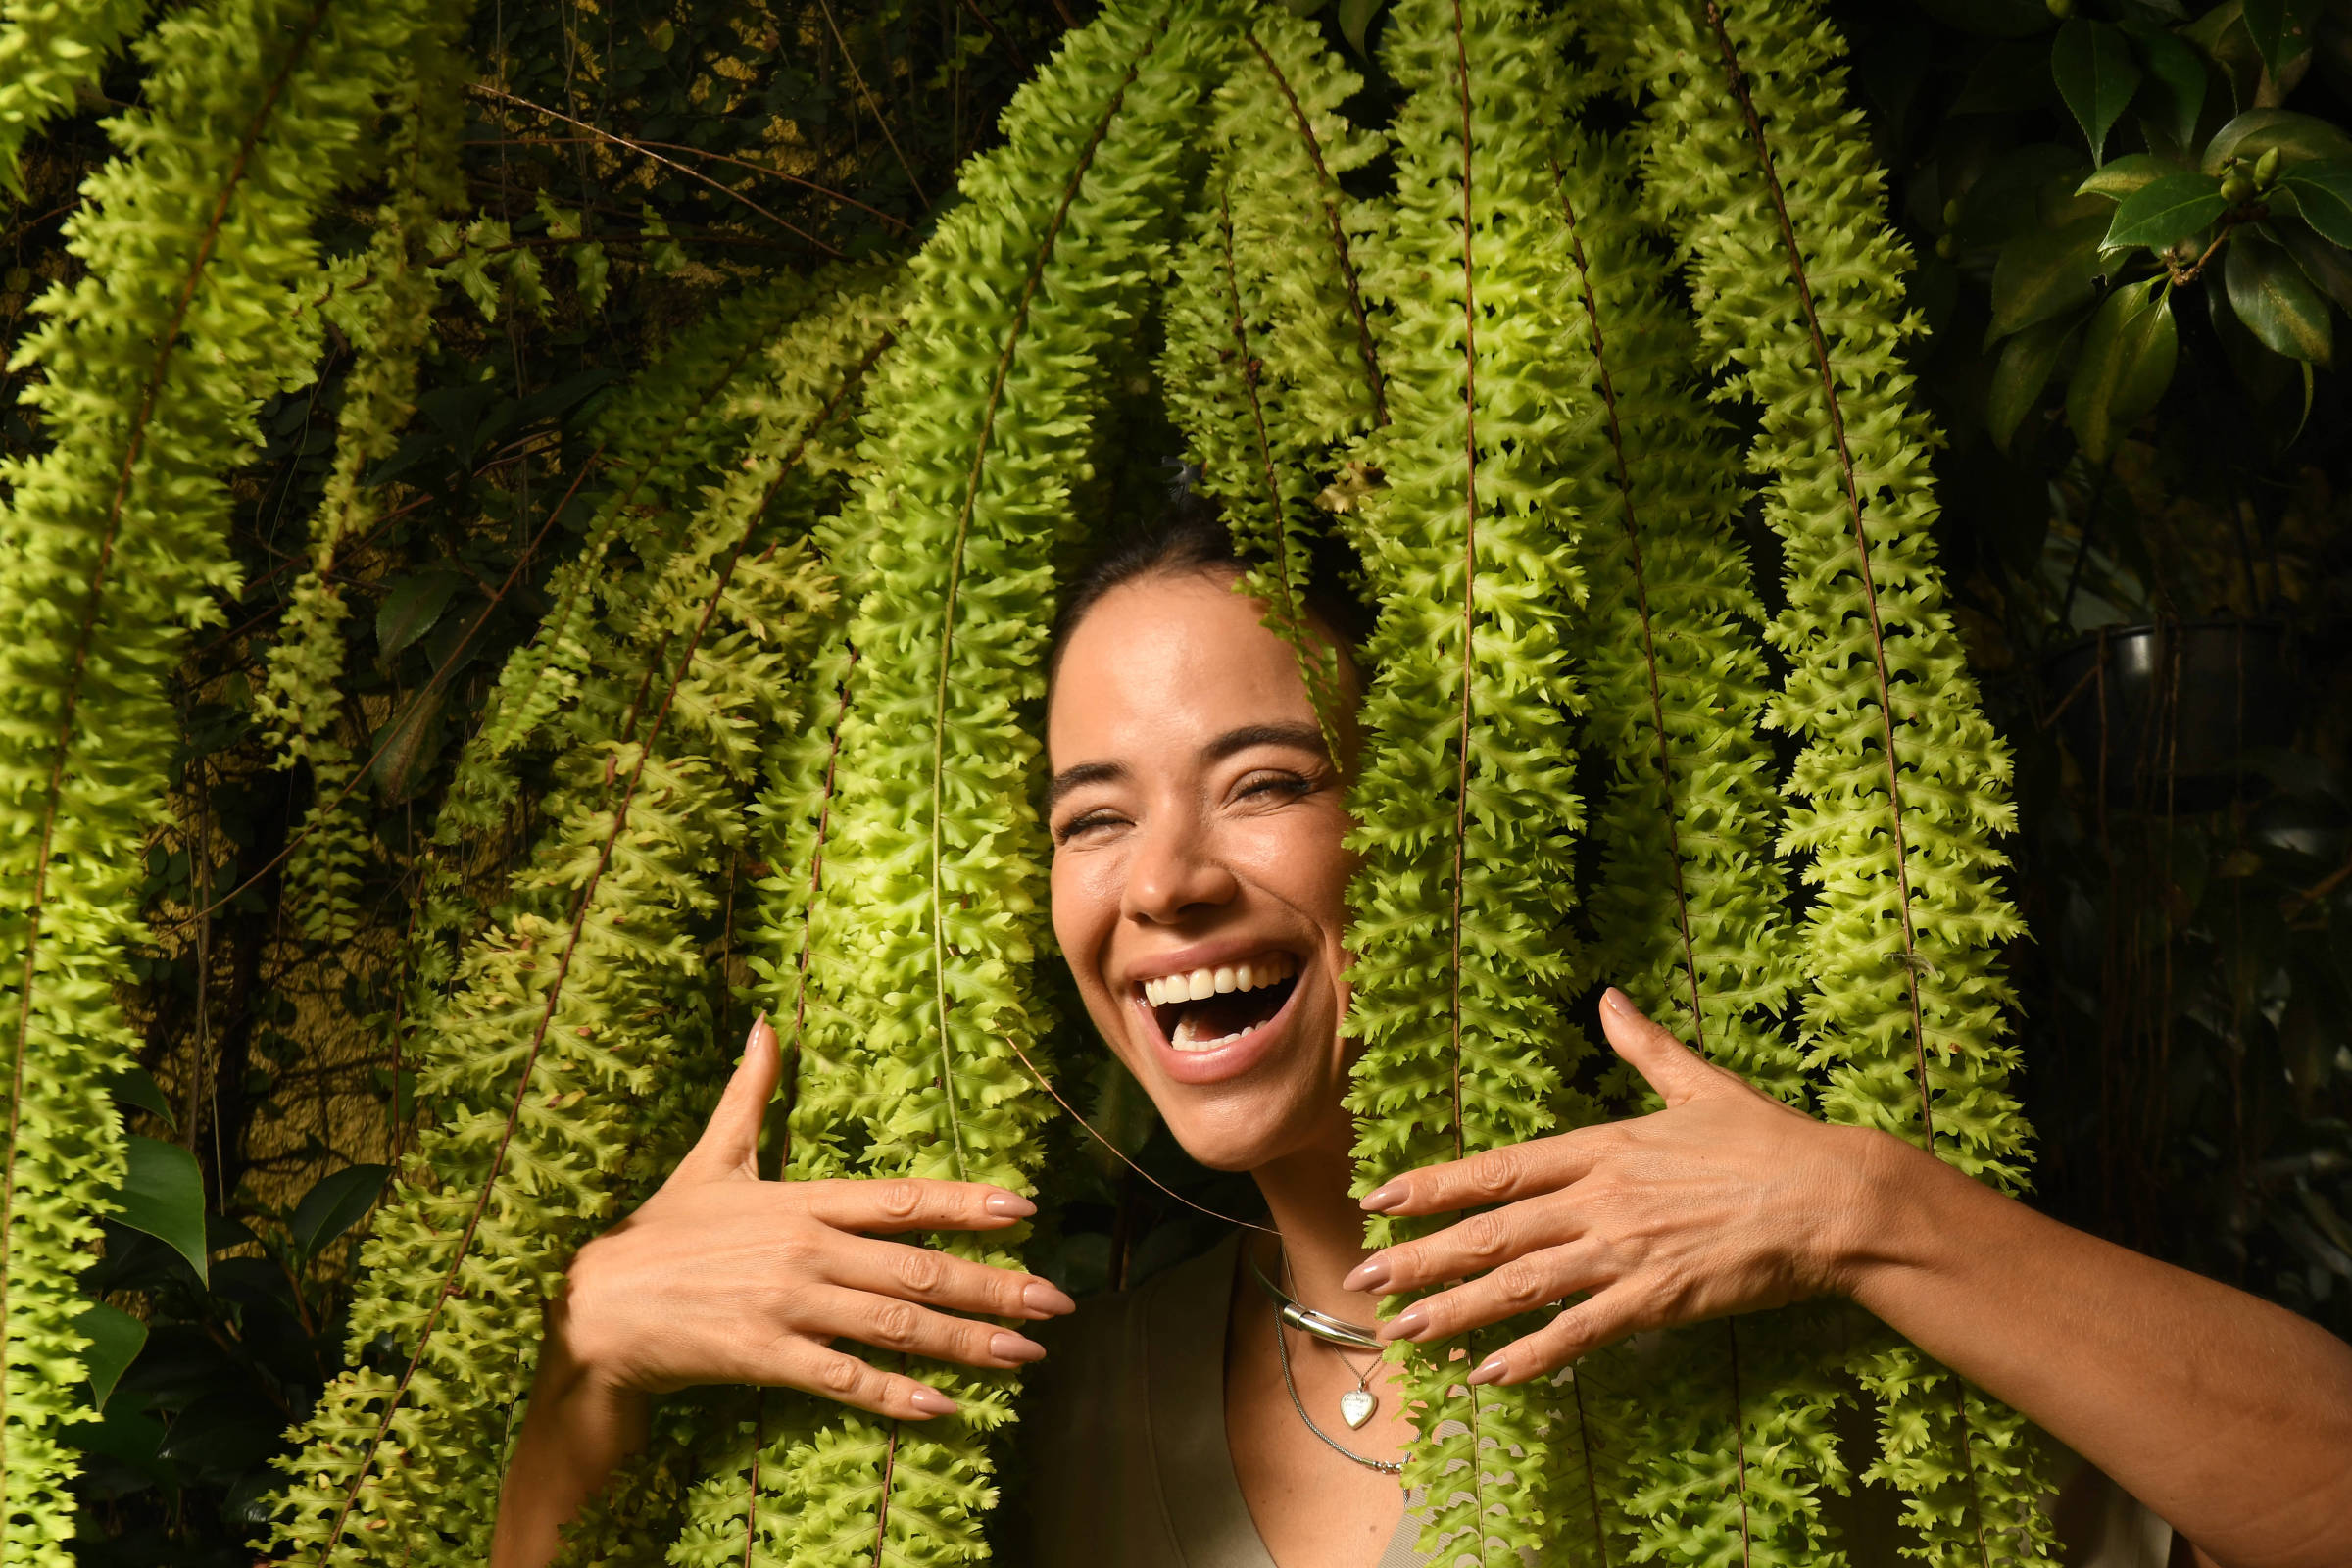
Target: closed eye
[[1086, 823]]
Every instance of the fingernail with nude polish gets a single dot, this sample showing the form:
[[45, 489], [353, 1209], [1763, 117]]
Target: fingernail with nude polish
[[932, 1402], [1010, 1205], [1380, 1197], [1617, 1002], [1491, 1370], [1409, 1324], [1008, 1347], [1045, 1299], [1372, 1274], [759, 1025]]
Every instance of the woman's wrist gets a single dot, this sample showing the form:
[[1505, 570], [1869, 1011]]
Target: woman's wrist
[[1879, 1221]]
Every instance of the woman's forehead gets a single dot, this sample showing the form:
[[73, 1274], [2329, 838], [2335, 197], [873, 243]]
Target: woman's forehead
[[1163, 658]]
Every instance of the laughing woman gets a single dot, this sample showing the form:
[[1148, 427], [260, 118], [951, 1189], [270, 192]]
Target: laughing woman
[[1199, 887]]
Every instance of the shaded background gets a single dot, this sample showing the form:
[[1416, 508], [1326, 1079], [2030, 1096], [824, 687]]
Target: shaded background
[[2185, 859]]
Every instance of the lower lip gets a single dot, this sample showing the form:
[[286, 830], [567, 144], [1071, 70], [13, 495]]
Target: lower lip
[[1228, 1060]]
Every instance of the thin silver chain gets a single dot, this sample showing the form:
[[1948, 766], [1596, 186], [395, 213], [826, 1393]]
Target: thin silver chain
[[1282, 1346]]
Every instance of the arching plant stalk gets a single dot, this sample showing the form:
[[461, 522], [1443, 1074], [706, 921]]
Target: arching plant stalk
[[588, 983], [1754, 164], [195, 240], [1466, 801]]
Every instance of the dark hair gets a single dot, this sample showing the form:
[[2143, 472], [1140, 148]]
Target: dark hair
[[1189, 536]]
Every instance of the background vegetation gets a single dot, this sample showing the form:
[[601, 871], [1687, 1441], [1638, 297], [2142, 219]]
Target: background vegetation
[[2143, 427]]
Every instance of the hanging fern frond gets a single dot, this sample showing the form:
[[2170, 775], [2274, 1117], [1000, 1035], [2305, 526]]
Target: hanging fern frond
[[388, 325], [1467, 804], [196, 241], [586, 986], [1758, 167], [1271, 365], [50, 50], [1690, 913], [982, 419]]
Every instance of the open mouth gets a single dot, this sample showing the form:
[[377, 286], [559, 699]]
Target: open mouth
[[1202, 1010]]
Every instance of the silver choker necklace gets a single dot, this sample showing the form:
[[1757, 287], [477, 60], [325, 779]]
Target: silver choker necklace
[[1360, 1403]]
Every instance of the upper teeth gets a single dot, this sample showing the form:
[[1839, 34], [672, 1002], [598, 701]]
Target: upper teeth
[[1194, 984]]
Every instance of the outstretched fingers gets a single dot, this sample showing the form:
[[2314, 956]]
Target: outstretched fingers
[[1603, 1318], [1522, 1285], [836, 1374], [908, 1204], [1493, 1176]]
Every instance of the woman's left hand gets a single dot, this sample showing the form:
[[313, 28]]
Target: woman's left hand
[[1725, 1202]]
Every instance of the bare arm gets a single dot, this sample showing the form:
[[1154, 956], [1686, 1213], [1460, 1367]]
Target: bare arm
[[2229, 1417], [725, 1278]]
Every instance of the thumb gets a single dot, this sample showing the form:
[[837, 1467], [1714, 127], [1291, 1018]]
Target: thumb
[[1672, 1068], [730, 1142]]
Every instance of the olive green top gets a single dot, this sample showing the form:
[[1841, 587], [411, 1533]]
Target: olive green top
[[1124, 1432]]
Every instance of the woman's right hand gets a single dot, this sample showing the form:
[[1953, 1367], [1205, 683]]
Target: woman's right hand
[[723, 1277]]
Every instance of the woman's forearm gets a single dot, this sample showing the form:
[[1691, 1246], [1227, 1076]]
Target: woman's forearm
[[576, 1431], [2227, 1416]]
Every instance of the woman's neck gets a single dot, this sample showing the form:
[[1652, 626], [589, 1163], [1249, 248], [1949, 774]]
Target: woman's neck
[[1322, 1227]]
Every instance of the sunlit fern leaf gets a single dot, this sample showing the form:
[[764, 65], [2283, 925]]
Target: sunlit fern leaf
[[150, 366], [1755, 162]]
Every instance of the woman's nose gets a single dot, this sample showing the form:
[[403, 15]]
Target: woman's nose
[[1174, 871]]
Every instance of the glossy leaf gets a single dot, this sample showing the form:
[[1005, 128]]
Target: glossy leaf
[[2328, 265], [2045, 274], [2097, 75], [335, 1202], [162, 1194], [2279, 304], [408, 744], [2126, 363], [409, 610], [136, 1086], [2174, 95], [2280, 31], [2119, 178], [2165, 212], [2023, 372], [2323, 193], [2299, 138], [115, 1340]]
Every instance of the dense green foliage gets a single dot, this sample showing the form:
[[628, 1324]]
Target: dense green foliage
[[1586, 340]]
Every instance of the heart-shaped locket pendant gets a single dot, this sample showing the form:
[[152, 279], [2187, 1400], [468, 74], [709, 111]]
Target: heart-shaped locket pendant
[[1356, 1407]]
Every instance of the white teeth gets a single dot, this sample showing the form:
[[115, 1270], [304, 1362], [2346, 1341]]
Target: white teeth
[[1195, 985]]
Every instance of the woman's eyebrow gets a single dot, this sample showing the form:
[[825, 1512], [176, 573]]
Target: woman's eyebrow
[[1302, 737], [1085, 773]]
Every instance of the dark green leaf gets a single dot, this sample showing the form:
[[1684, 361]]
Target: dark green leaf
[[2325, 265], [2221, 34], [162, 1194], [2276, 302], [2299, 138], [2280, 31], [136, 1086], [410, 608], [2323, 193], [2174, 94], [229, 1431], [2023, 372], [2126, 363], [2119, 178], [2044, 273], [335, 1202], [1355, 19], [2028, 187], [2097, 75], [2165, 212], [115, 1338], [407, 745]]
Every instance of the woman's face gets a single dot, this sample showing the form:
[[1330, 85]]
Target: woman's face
[[1199, 877]]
